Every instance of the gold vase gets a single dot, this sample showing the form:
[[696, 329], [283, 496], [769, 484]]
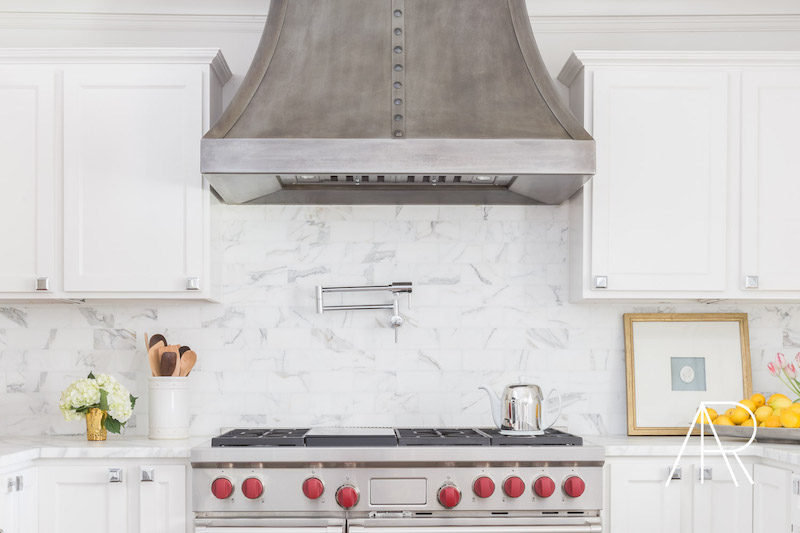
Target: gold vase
[[95, 430]]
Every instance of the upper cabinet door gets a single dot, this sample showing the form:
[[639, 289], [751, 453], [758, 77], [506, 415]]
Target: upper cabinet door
[[27, 178], [134, 199], [770, 183], [659, 196]]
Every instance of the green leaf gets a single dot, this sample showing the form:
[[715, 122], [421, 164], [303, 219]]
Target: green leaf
[[133, 401], [91, 376], [103, 400], [84, 409], [112, 425]]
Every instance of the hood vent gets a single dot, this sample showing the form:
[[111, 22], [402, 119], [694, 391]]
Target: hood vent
[[398, 102]]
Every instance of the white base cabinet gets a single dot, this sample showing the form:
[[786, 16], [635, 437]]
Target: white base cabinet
[[120, 497], [695, 190], [772, 496], [103, 195], [19, 501], [638, 498]]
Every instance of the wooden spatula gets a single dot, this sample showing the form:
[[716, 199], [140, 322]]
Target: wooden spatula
[[169, 363], [188, 359]]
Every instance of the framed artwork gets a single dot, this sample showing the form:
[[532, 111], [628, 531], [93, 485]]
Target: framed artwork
[[674, 361]]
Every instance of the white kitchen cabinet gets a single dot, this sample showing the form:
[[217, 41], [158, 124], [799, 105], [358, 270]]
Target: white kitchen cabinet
[[718, 504], [770, 187], [639, 499], [19, 501], [772, 495], [27, 179], [124, 497], [135, 205], [162, 499], [90, 499], [104, 161], [694, 193]]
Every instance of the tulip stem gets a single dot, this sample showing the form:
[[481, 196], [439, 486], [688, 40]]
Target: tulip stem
[[791, 383]]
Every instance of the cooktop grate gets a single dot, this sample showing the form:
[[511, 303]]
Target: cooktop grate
[[441, 437], [261, 437]]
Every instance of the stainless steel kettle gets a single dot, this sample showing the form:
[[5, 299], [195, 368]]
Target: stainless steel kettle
[[519, 411]]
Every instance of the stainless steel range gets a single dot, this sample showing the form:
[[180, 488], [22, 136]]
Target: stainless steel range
[[383, 480]]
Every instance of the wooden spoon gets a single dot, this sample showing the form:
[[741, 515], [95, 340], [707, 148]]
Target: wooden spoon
[[169, 361], [183, 350], [188, 359], [155, 362], [155, 339]]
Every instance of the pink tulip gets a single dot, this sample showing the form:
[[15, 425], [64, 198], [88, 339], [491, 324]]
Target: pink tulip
[[797, 358], [774, 370], [790, 370], [781, 360]]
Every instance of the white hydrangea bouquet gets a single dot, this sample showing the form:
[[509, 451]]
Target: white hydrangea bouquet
[[106, 404]]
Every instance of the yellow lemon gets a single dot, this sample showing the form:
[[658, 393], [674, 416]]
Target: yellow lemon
[[778, 411], [711, 413], [750, 404], [747, 423], [790, 419], [775, 397], [772, 422], [761, 425], [795, 407], [724, 421], [739, 415], [780, 402], [729, 412], [758, 399], [763, 412]]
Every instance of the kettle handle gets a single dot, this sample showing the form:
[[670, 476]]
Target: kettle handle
[[558, 414]]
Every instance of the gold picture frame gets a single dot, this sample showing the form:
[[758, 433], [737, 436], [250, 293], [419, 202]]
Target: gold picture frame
[[704, 344]]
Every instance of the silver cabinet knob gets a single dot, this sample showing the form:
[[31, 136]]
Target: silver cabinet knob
[[706, 474], [10, 485], [115, 475], [601, 282], [147, 474], [192, 284], [751, 282], [42, 284], [18, 482], [677, 474]]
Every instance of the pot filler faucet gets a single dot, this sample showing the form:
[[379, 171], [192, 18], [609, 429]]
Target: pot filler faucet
[[397, 288]]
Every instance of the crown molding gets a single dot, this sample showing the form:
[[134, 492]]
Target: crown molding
[[580, 59], [202, 56], [541, 24]]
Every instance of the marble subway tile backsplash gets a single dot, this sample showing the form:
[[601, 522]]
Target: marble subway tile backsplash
[[490, 304]]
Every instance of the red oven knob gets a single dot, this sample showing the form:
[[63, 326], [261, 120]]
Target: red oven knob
[[544, 487], [483, 487], [312, 488], [574, 486], [347, 496], [449, 496], [252, 488], [222, 488], [513, 486]]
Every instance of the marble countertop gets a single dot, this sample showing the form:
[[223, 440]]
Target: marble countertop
[[625, 446], [16, 450]]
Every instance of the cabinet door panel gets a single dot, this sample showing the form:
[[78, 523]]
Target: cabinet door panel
[[27, 177], [720, 492], [770, 187], [133, 193], [660, 192], [81, 499], [771, 500], [162, 502], [641, 501]]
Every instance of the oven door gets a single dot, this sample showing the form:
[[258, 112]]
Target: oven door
[[564, 524], [268, 525]]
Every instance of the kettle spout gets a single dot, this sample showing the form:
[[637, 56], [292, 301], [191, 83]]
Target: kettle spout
[[494, 400]]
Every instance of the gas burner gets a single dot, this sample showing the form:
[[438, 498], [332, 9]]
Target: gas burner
[[261, 437], [551, 437], [441, 437]]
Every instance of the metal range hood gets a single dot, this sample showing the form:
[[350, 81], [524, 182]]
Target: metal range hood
[[397, 102]]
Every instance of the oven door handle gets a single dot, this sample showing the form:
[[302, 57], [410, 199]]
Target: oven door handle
[[254, 526], [543, 528]]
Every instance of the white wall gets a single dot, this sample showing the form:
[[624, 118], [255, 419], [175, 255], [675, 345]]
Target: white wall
[[490, 283]]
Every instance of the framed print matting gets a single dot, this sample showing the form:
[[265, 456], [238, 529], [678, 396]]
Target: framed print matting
[[676, 360]]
